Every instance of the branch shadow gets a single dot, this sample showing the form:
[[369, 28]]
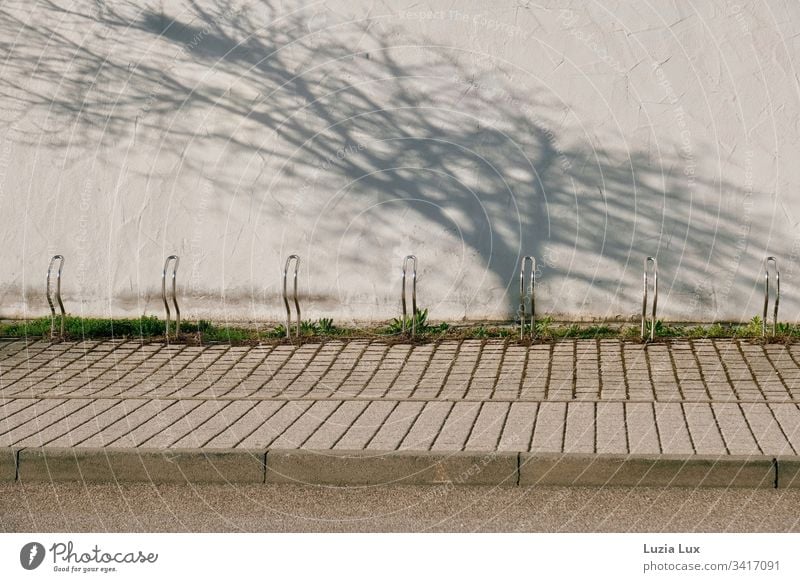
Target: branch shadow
[[356, 132]]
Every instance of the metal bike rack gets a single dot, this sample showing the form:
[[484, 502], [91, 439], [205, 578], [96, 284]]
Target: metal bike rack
[[774, 262], [529, 296], [174, 293], [413, 259], [655, 298], [60, 259], [296, 259]]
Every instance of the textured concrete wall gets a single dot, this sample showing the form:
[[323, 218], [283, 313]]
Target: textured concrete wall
[[354, 133]]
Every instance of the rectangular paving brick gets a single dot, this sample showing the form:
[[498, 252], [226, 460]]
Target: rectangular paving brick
[[130, 421], [38, 418], [484, 377], [119, 410], [548, 434], [290, 369], [336, 425], [456, 430], [366, 426], [478, 395], [537, 371], [518, 429], [766, 429], [341, 368], [432, 381], [579, 434], [10, 407], [675, 437], [396, 426], [703, 429], [216, 424], [72, 424], [271, 365], [274, 426], [735, 430], [511, 372], [165, 436], [296, 435], [637, 372], [363, 371], [186, 377], [313, 372], [642, 430], [611, 425], [240, 429], [788, 416], [488, 427], [427, 426], [460, 374], [413, 370], [163, 419], [388, 370]]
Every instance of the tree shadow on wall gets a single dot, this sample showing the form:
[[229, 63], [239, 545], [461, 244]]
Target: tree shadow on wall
[[314, 116]]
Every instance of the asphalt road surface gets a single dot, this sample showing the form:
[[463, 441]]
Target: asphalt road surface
[[74, 507]]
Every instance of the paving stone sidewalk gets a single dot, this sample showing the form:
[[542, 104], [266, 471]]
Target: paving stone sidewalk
[[703, 397]]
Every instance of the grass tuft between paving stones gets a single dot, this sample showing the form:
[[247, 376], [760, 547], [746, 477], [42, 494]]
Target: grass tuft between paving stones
[[151, 328]]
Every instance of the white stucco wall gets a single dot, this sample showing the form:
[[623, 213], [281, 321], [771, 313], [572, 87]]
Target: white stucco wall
[[356, 132]]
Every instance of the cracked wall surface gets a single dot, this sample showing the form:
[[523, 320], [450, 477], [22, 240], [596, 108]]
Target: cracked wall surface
[[354, 133]]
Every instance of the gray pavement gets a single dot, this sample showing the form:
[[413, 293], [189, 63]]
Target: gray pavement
[[78, 507], [701, 397]]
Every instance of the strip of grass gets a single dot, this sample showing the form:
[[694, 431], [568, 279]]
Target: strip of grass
[[79, 327], [152, 329]]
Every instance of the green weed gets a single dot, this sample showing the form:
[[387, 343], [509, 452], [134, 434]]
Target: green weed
[[418, 322], [325, 326]]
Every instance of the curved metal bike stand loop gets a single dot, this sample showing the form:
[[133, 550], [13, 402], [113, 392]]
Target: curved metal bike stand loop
[[296, 259], [60, 259], [176, 260], [655, 298], [413, 260], [527, 296], [774, 262]]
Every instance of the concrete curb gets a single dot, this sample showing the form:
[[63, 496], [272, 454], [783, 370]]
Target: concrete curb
[[362, 468], [647, 470], [8, 465], [788, 472], [395, 467], [134, 465]]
